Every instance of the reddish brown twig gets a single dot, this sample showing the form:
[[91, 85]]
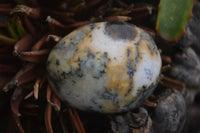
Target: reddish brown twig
[[35, 53], [150, 104], [47, 118], [77, 24], [29, 26], [24, 44], [166, 68], [166, 59], [48, 95], [55, 22], [29, 95], [23, 76], [52, 99], [168, 82], [56, 102], [35, 56], [118, 19], [39, 44], [28, 77], [78, 119], [16, 100], [38, 83], [75, 122], [18, 124]]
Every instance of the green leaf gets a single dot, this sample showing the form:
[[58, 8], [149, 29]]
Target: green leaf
[[173, 16], [12, 30], [19, 28]]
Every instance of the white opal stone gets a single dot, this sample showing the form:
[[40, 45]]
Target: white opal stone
[[105, 67]]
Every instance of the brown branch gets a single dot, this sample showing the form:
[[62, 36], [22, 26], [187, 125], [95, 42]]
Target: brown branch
[[52, 99], [23, 76], [75, 122], [78, 120], [166, 59], [118, 18], [39, 44], [35, 56], [171, 83], [18, 124], [24, 44], [150, 104], [56, 102], [16, 100], [47, 118], [166, 68], [38, 83], [29, 26]]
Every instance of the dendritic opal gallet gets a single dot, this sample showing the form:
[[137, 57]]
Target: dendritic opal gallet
[[105, 67]]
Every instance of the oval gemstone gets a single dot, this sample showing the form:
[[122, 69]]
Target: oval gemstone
[[105, 67]]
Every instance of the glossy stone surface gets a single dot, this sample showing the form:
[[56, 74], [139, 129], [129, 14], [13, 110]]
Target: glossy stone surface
[[105, 67]]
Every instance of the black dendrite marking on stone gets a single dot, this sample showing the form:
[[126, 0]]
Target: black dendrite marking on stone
[[78, 71], [63, 44], [150, 43], [148, 74], [131, 66], [73, 81], [137, 43], [110, 95], [93, 100], [90, 55], [142, 95], [107, 95], [57, 62], [129, 90], [64, 75], [92, 26], [131, 63]]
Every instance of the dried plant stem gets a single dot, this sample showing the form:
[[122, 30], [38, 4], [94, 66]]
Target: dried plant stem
[[17, 97], [166, 68], [118, 19], [18, 123], [23, 44], [150, 104], [166, 59], [75, 121], [47, 118], [169, 82], [39, 44]]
